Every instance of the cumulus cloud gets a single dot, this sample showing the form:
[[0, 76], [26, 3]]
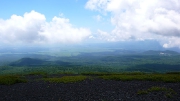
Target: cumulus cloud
[[32, 27], [142, 19], [98, 5], [60, 30], [19, 28]]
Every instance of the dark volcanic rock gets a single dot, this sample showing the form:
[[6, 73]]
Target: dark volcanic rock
[[87, 90]]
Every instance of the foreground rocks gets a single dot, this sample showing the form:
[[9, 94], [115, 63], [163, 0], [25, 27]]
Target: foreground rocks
[[87, 90]]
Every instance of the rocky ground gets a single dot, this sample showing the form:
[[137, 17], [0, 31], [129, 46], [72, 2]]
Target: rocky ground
[[87, 90]]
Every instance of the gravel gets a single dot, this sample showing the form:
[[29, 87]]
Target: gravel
[[87, 90]]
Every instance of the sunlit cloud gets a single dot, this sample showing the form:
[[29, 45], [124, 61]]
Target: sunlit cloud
[[142, 19], [32, 28]]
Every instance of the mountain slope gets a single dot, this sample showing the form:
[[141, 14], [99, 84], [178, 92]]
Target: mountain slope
[[28, 62]]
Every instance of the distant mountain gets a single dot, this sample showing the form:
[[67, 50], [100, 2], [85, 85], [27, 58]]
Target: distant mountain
[[167, 52], [28, 62], [37, 62]]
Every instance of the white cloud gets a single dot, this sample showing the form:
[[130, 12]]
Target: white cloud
[[171, 42], [142, 19], [60, 30], [19, 28], [33, 28], [105, 36], [98, 18], [98, 5]]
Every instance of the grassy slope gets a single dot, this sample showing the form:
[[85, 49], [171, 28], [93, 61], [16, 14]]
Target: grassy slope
[[167, 77], [66, 79], [11, 79]]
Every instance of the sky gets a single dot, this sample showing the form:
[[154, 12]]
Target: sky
[[40, 22]]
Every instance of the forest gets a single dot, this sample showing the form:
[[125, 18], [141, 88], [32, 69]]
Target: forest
[[108, 62]]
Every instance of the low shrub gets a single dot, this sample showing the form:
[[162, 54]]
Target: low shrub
[[173, 73], [96, 73], [44, 74], [168, 91], [66, 79], [10, 79], [144, 77]]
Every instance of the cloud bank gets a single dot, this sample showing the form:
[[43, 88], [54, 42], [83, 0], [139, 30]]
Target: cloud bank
[[33, 28], [141, 20]]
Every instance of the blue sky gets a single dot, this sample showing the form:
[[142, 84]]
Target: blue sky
[[71, 9], [76, 21]]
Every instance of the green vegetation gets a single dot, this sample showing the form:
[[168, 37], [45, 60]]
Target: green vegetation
[[97, 73], [173, 73], [168, 91], [112, 73], [143, 77], [44, 74], [125, 76], [106, 62], [37, 73], [111, 64], [10, 79], [66, 79]]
